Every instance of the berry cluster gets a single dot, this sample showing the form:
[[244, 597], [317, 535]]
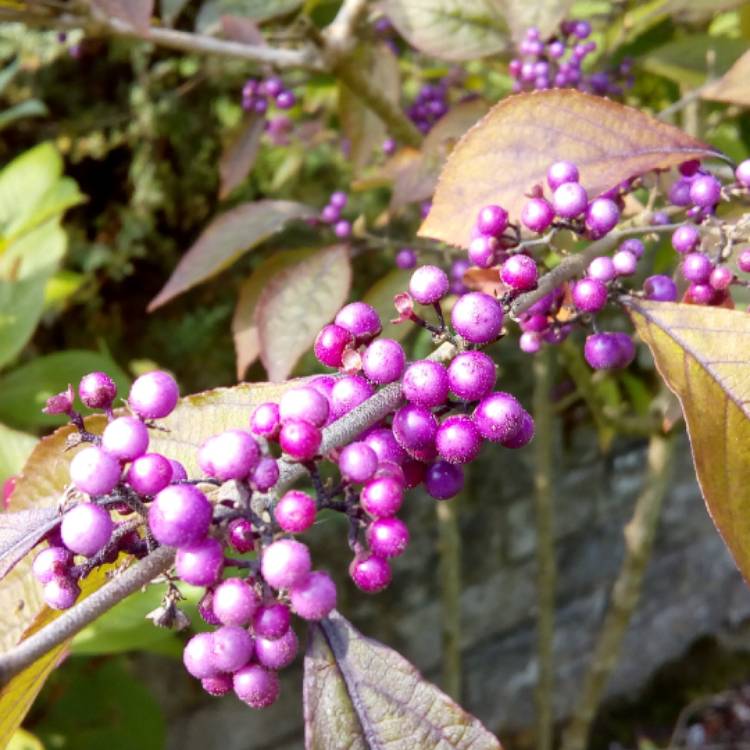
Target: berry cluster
[[557, 62], [259, 94], [331, 214]]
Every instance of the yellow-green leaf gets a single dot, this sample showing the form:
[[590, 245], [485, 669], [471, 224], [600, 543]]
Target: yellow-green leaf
[[734, 85], [701, 352]]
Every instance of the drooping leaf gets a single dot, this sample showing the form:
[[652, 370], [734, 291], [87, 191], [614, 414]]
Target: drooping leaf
[[701, 352], [504, 155], [244, 326], [25, 390], [734, 86], [450, 29], [545, 15], [225, 239], [366, 696], [294, 305], [136, 13], [361, 126], [239, 156]]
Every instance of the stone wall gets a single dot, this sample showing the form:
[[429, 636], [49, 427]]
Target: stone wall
[[692, 589]]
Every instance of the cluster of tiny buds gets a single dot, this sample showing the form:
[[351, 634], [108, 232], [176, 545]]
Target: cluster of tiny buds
[[331, 214], [259, 94], [557, 62]]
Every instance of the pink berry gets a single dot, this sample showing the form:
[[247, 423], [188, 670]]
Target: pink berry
[[561, 172], [742, 173], [149, 474], [425, 383], [382, 497], [198, 656], [285, 563], [94, 471], [537, 214], [602, 216], [232, 648], [696, 267], [299, 439], [602, 269], [482, 250], [235, 602], [498, 417], [519, 272], [383, 361], [180, 515], [406, 258], [492, 220], [721, 278], [256, 686], [330, 344], [277, 653], [200, 564], [240, 535], [265, 420], [458, 440], [589, 295], [60, 593], [154, 395], [179, 474], [314, 598], [624, 263], [97, 390], [125, 438], [358, 462], [387, 537], [428, 284], [370, 573], [569, 200], [530, 342], [217, 685], [414, 427], [86, 528], [660, 288], [304, 403], [52, 562], [743, 261], [230, 455], [686, 238], [348, 393], [705, 191], [443, 480], [271, 621], [295, 512], [471, 375], [265, 475], [361, 320], [477, 317], [385, 445], [634, 246]]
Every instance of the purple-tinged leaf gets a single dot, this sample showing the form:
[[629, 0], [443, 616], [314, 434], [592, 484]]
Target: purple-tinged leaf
[[240, 29], [136, 13], [20, 531], [361, 695], [239, 156]]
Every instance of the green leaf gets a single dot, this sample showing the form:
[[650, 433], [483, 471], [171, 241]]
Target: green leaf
[[365, 695], [29, 108], [259, 10], [23, 740], [509, 151], [21, 307], [734, 86], [225, 239], [37, 252], [450, 29], [15, 448], [25, 390]]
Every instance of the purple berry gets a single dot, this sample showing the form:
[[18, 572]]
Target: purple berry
[[569, 200], [217, 685], [330, 214], [299, 439], [721, 278], [492, 220], [265, 474], [679, 193], [602, 269], [97, 390], [361, 320], [285, 563], [295, 512], [425, 383], [414, 427], [608, 351], [602, 216], [150, 473], [348, 393], [232, 648], [304, 403], [700, 294], [86, 528], [589, 295], [743, 261], [370, 573], [471, 375], [561, 172], [94, 471], [742, 173], [406, 258], [428, 284], [206, 609], [705, 191], [338, 198], [198, 656], [634, 246], [383, 361], [686, 238], [330, 344], [382, 497], [660, 288], [285, 100], [256, 686], [385, 445], [271, 621], [482, 251], [52, 562], [443, 480], [277, 653], [477, 317], [125, 438], [358, 462], [60, 593], [697, 267], [231, 455], [154, 395], [530, 342], [387, 537], [520, 273], [240, 535], [625, 263], [314, 598], [458, 440], [498, 417], [537, 214], [342, 229], [235, 602], [265, 421], [180, 515], [200, 564]]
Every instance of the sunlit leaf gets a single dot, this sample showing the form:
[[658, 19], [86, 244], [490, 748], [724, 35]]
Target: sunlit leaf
[[15, 448], [701, 352], [544, 15], [23, 740], [225, 239], [21, 307], [734, 86], [238, 157], [365, 695], [296, 303], [450, 29], [502, 157]]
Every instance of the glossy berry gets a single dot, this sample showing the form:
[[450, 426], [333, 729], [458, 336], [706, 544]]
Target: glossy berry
[[660, 288], [330, 214], [608, 351], [458, 440], [385, 445], [492, 220], [569, 200], [530, 342], [304, 403], [60, 593], [482, 251], [265, 474], [705, 191], [624, 263], [314, 598], [679, 193], [285, 100], [299, 439], [561, 172], [200, 564], [295, 512], [153, 395], [265, 420], [149, 473], [721, 278], [520, 273], [602, 269], [230, 455], [696, 267], [700, 294], [240, 535], [330, 344], [428, 284], [217, 685], [179, 474], [742, 173], [537, 214], [443, 480], [414, 427], [477, 317], [125, 438], [51, 562], [86, 528], [235, 602], [471, 375], [406, 258], [425, 383], [589, 295], [94, 471], [285, 563], [232, 647], [358, 462], [256, 686], [97, 390], [271, 621], [602, 216], [277, 653], [382, 497], [634, 246], [370, 573], [360, 319], [198, 656], [686, 238], [348, 393], [383, 361], [342, 229], [743, 261], [498, 417], [180, 515], [387, 537]]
